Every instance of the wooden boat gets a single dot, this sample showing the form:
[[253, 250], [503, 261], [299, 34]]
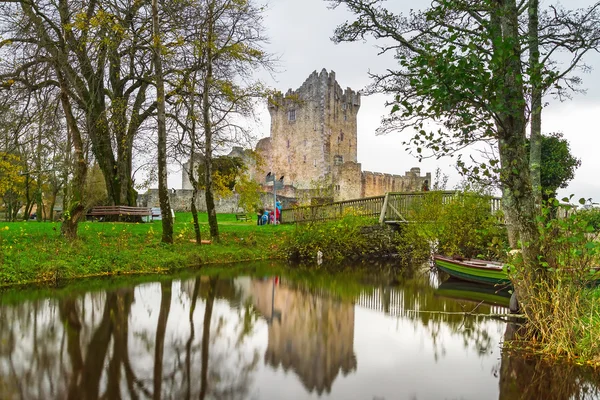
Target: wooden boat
[[474, 292], [478, 271]]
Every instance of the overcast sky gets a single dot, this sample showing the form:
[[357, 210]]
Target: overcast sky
[[300, 34]]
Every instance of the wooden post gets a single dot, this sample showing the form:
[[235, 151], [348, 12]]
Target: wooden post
[[384, 208]]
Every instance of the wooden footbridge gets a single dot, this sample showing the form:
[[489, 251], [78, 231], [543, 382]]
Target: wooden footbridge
[[391, 208]]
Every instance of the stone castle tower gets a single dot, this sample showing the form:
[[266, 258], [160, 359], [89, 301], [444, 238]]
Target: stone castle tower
[[313, 143], [313, 129]]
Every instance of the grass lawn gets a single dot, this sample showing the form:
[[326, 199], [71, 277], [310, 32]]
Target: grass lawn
[[35, 252]]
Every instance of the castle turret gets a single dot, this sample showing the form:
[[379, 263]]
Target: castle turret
[[313, 129]]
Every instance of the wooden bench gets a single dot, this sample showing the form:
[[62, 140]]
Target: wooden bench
[[242, 217], [119, 211]]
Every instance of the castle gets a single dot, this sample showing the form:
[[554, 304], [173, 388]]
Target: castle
[[313, 144]]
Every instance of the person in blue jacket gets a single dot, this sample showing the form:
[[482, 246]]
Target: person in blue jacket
[[265, 217]]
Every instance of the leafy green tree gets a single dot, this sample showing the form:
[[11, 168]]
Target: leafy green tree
[[225, 173], [558, 164], [249, 191], [461, 65]]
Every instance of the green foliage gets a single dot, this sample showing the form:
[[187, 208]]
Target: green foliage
[[461, 225], [562, 298], [592, 217], [558, 165], [347, 238], [226, 171], [249, 191], [10, 179], [95, 187]]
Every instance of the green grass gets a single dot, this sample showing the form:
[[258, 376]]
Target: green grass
[[35, 252]]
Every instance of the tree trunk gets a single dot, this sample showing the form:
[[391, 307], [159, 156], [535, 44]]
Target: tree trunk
[[515, 175], [188, 346], [535, 137], [161, 328], [163, 190], [38, 166], [208, 167], [192, 120], [76, 209]]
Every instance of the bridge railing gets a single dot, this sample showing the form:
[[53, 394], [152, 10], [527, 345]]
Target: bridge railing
[[365, 207], [395, 206]]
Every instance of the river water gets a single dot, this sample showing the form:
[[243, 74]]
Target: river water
[[255, 334]]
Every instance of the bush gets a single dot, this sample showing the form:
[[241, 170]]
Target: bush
[[350, 237], [462, 225], [592, 217]]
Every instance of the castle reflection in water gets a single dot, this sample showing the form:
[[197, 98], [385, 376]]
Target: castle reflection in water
[[311, 335]]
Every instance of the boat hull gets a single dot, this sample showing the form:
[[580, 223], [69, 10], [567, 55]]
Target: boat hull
[[470, 273]]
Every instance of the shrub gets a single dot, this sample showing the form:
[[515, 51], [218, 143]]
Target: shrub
[[462, 225], [592, 217], [350, 237]]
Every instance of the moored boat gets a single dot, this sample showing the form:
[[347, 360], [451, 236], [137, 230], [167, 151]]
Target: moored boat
[[478, 271]]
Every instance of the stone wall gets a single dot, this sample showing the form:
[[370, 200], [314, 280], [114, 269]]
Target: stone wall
[[376, 183], [181, 200], [347, 181]]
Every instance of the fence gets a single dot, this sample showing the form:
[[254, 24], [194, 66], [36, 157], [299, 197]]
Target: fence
[[391, 207]]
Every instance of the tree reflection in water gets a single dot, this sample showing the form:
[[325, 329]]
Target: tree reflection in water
[[95, 346], [205, 338]]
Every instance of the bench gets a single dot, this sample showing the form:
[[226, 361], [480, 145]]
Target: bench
[[242, 217], [119, 211]]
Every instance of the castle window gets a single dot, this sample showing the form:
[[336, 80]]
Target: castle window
[[344, 106], [291, 115], [338, 160], [304, 159], [288, 143], [345, 117], [337, 188], [315, 163], [341, 136]]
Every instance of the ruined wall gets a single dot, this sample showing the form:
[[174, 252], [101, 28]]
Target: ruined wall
[[376, 183], [347, 181], [181, 199], [312, 128]]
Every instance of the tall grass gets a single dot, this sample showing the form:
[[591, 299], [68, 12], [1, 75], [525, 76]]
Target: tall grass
[[560, 299]]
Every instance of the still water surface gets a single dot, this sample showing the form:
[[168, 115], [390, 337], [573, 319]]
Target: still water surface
[[296, 335]]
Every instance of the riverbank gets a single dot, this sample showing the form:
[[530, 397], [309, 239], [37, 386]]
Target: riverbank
[[33, 252]]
